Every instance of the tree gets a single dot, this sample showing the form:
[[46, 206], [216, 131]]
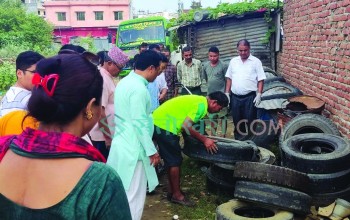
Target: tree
[[22, 29]]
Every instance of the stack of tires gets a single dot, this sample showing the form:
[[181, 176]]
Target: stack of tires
[[266, 190], [326, 160], [311, 143]]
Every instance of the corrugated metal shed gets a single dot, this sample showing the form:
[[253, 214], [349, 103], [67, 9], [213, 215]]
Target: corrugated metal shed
[[225, 32]]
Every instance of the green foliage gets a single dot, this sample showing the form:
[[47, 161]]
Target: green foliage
[[236, 9], [86, 42], [7, 75], [21, 29]]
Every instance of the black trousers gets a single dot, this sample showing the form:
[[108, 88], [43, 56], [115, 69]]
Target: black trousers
[[243, 113]]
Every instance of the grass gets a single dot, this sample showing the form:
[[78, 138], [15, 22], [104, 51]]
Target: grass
[[193, 182]]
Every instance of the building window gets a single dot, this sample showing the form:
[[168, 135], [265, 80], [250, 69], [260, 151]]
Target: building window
[[61, 16], [98, 15], [80, 16], [118, 15]]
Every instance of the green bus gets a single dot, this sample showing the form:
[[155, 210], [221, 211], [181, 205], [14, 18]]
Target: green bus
[[132, 33]]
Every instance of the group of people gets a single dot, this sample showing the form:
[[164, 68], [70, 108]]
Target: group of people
[[71, 118]]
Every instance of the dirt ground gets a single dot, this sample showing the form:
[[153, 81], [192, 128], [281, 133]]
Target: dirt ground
[[157, 207]]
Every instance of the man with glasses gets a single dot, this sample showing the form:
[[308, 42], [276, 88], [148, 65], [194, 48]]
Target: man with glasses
[[16, 98], [101, 135]]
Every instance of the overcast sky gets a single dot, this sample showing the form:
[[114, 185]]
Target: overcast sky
[[169, 5]]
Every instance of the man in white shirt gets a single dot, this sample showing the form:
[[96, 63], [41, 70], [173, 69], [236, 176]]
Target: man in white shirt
[[244, 83], [16, 98]]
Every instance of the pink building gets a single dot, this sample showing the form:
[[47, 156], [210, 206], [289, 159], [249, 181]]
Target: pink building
[[80, 18]]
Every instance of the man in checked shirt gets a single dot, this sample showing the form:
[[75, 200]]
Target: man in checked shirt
[[189, 72]]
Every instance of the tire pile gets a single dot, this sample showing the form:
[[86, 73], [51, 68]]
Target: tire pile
[[314, 171]]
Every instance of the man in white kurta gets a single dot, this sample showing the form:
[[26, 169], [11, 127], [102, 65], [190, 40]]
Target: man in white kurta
[[133, 154]]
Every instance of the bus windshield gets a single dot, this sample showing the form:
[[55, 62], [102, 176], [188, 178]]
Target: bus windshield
[[152, 31]]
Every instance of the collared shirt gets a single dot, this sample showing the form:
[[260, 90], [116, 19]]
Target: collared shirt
[[132, 140], [245, 75], [16, 98], [154, 89], [107, 101], [190, 75], [215, 76]]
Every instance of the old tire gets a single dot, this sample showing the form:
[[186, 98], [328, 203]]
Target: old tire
[[264, 129], [229, 150], [308, 123], [316, 153], [275, 175], [324, 199], [239, 210], [222, 174], [329, 182], [279, 90], [264, 156], [277, 196], [215, 183]]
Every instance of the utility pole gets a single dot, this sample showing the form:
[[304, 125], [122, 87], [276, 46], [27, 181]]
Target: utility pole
[[180, 7]]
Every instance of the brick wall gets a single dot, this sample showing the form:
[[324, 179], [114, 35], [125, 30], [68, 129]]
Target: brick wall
[[316, 54]]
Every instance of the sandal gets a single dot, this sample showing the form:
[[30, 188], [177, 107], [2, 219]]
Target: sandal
[[183, 202], [170, 195]]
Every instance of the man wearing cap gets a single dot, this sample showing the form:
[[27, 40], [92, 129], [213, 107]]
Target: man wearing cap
[[101, 134]]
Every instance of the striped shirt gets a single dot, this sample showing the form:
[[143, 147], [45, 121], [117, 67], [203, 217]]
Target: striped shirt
[[16, 98], [190, 75]]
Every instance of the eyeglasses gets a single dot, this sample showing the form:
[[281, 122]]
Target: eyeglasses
[[31, 71]]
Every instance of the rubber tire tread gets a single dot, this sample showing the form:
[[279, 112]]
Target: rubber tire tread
[[264, 156], [329, 182], [271, 174], [226, 211], [293, 91], [277, 196], [229, 150], [308, 121], [332, 162], [324, 199]]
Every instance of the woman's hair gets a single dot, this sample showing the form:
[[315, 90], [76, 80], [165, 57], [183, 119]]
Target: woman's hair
[[102, 55], [79, 81]]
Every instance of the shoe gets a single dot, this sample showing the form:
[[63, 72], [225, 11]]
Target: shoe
[[183, 202], [169, 196]]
